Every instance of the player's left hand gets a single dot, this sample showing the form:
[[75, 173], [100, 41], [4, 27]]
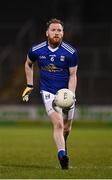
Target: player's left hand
[[26, 93]]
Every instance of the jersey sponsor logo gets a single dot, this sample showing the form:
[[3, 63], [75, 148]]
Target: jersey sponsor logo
[[51, 68]]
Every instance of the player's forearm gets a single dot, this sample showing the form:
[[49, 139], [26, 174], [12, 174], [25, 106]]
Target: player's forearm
[[72, 83], [29, 73]]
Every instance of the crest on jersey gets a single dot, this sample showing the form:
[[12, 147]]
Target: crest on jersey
[[62, 58]]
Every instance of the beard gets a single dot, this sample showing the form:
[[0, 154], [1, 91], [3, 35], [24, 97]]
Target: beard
[[55, 41]]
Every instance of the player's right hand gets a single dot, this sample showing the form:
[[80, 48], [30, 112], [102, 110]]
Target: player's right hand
[[26, 93]]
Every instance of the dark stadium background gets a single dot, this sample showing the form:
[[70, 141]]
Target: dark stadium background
[[88, 27]]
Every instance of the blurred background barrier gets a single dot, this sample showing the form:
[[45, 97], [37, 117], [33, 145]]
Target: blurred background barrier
[[34, 113]]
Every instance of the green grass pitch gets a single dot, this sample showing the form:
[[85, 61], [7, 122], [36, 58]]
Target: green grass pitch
[[29, 152]]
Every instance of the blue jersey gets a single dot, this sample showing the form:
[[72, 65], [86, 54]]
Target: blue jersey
[[54, 65]]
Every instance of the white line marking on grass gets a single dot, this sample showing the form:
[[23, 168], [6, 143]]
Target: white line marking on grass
[[72, 167], [91, 167], [88, 167]]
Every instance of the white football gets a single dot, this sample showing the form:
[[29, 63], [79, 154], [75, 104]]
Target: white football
[[64, 98]]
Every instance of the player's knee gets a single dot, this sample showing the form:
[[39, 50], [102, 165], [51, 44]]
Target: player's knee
[[58, 125]]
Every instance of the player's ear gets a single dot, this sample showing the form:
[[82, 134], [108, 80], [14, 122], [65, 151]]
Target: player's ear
[[47, 33], [63, 32]]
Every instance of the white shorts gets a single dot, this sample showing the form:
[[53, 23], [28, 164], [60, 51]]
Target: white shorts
[[50, 108]]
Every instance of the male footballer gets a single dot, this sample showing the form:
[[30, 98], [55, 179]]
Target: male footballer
[[58, 63]]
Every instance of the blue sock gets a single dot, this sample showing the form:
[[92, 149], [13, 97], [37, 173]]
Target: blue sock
[[61, 153]]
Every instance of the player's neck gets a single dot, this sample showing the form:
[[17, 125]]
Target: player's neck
[[53, 46]]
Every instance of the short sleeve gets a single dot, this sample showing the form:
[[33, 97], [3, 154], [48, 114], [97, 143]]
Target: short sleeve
[[32, 56], [74, 59]]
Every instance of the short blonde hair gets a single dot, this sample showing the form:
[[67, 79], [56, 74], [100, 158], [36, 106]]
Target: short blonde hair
[[54, 20]]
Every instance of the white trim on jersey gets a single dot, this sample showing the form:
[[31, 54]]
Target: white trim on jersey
[[68, 48], [39, 46], [53, 49]]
